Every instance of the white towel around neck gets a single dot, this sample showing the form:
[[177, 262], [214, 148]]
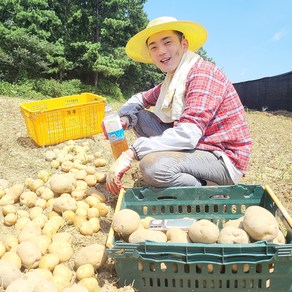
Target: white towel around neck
[[171, 102]]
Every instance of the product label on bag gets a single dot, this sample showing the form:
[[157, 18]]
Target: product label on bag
[[116, 135]]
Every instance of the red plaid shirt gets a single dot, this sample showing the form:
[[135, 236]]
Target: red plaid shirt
[[214, 106]]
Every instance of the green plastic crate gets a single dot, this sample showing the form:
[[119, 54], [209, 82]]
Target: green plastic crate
[[151, 266]]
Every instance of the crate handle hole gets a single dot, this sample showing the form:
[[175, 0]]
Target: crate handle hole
[[167, 198], [220, 197]]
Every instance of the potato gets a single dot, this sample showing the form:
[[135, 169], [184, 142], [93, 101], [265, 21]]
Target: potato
[[92, 200], [62, 204], [75, 288], [9, 273], [34, 184], [63, 271], [177, 235], [204, 231], [6, 200], [10, 219], [43, 242], [21, 222], [94, 254], [63, 236], [41, 220], [66, 165], [90, 170], [15, 191], [78, 195], [92, 213], [99, 162], [100, 177], [86, 228], [46, 274], [10, 241], [8, 209], [260, 224], [145, 222], [125, 222], [45, 193], [85, 271], [28, 198], [2, 249], [60, 282], [103, 209], [92, 191], [280, 238], [45, 285], [50, 155], [30, 230], [12, 257], [69, 217], [90, 284], [35, 211], [62, 249], [230, 234], [91, 180], [29, 253], [236, 222], [44, 175], [49, 261], [62, 183], [141, 235], [95, 224]]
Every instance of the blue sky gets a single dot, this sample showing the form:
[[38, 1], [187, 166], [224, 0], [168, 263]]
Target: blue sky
[[248, 39]]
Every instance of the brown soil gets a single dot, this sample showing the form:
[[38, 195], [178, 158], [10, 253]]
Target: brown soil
[[21, 158]]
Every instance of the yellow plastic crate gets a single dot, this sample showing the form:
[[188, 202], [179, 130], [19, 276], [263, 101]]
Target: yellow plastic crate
[[65, 118]]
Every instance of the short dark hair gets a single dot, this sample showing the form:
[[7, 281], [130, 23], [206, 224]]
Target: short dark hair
[[180, 35]]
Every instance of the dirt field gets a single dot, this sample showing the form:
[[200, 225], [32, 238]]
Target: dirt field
[[20, 158]]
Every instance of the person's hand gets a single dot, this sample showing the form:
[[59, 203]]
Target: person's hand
[[124, 122], [116, 172]]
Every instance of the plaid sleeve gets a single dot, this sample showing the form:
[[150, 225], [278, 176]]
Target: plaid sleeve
[[150, 97]]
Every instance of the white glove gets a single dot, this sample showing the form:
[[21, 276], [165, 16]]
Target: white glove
[[116, 172]]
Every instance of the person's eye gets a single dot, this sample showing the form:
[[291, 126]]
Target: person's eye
[[152, 48]]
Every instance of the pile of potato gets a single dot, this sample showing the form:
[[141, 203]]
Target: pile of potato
[[37, 255], [256, 224]]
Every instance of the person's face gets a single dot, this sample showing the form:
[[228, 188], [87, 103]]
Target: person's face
[[166, 50]]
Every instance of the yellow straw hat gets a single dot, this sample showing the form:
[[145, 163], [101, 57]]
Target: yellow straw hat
[[136, 47]]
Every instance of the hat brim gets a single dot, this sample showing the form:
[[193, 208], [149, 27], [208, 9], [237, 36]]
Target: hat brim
[[136, 47]]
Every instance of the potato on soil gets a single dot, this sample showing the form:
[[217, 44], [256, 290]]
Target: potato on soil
[[62, 204], [30, 230], [75, 288], [62, 183], [29, 253], [94, 254], [231, 234], [260, 223], [141, 235], [9, 272], [15, 191], [204, 231]]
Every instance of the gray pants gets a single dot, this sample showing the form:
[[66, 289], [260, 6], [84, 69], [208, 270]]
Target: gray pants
[[177, 168]]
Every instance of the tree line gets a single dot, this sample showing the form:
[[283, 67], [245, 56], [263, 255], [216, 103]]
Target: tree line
[[74, 39]]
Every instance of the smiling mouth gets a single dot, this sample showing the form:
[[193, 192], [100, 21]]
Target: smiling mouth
[[165, 60]]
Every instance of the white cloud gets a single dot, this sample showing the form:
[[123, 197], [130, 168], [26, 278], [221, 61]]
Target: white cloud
[[280, 34]]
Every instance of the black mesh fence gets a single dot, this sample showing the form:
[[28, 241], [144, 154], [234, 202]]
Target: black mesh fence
[[269, 93]]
